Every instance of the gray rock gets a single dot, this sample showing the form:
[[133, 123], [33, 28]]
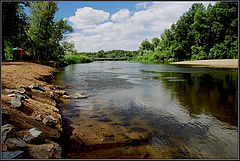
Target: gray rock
[[34, 136], [37, 86], [39, 117], [16, 102], [15, 144], [12, 154], [45, 151], [5, 129], [49, 121], [5, 116]]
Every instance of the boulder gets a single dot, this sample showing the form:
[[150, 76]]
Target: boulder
[[39, 117], [45, 151], [78, 95], [34, 136], [5, 116], [12, 154], [5, 129], [15, 144], [16, 102], [49, 121]]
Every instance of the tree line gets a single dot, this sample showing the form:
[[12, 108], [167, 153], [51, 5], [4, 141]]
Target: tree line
[[200, 33], [39, 34]]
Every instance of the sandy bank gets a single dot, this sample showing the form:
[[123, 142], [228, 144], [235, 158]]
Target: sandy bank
[[216, 63], [23, 74]]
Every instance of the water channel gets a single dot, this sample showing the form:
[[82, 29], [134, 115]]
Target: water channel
[[138, 110]]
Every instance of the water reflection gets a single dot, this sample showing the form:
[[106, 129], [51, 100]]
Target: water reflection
[[212, 94]]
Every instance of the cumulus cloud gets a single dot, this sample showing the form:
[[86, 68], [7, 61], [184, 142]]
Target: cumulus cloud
[[125, 31], [121, 15], [87, 17], [142, 4]]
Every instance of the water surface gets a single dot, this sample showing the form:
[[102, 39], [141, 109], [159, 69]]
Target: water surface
[[138, 110]]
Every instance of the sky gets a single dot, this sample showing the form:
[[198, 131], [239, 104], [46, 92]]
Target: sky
[[109, 25]]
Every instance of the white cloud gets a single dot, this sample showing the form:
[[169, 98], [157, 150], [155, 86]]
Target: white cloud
[[121, 15], [87, 17], [142, 4], [124, 32]]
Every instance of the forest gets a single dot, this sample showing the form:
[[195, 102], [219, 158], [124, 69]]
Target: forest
[[200, 33]]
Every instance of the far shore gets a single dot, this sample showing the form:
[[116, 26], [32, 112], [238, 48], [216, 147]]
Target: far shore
[[216, 63]]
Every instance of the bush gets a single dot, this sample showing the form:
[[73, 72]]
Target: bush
[[74, 59]]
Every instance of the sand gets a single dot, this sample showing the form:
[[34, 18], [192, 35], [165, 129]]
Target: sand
[[17, 74], [216, 63]]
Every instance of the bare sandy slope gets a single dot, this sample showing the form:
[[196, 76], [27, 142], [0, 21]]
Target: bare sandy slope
[[17, 74], [217, 63]]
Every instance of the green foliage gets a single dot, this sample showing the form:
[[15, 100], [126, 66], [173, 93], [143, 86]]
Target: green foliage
[[199, 33], [74, 59]]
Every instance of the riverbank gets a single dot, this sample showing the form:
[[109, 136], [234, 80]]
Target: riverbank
[[30, 101], [216, 63]]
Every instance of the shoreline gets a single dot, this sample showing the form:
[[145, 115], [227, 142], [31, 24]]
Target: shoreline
[[37, 106], [214, 63]]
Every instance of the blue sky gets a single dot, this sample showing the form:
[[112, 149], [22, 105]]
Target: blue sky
[[109, 25]]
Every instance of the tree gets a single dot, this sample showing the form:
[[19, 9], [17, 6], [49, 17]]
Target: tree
[[44, 32]]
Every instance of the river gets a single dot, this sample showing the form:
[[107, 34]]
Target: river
[[138, 110]]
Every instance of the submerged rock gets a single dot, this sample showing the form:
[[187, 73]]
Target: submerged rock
[[45, 151], [49, 121], [12, 154], [15, 144], [34, 136], [78, 95]]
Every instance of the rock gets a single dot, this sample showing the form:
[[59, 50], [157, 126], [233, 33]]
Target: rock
[[5, 116], [49, 121], [39, 117], [15, 144], [60, 92], [45, 151], [53, 108], [20, 90], [34, 136], [16, 102], [12, 154], [66, 96], [78, 95], [37, 86], [5, 129], [75, 143], [11, 95]]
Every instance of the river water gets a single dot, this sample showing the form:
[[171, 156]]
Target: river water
[[138, 110]]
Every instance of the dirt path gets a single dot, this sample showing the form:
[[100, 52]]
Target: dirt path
[[217, 63]]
